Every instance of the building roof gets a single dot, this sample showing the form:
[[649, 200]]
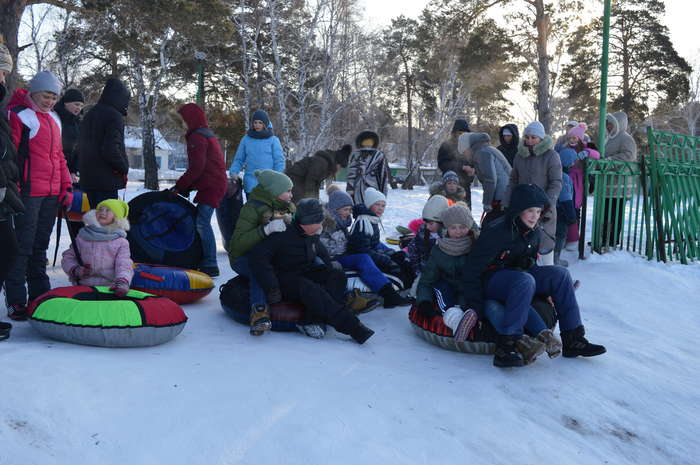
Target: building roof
[[132, 139]]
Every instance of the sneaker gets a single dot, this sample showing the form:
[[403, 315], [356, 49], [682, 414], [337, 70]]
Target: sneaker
[[575, 344], [313, 330], [259, 320], [212, 271], [17, 312], [552, 344], [530, 348], [356, 303], [466, 324], [4, 330]]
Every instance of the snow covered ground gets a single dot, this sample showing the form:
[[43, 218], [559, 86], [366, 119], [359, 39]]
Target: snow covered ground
[[216, 395]]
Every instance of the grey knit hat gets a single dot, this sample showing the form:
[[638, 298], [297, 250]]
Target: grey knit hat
[[5, 58], [534, 129], [339, 199], [309, 211], [44, 81], [434, 207], [458, 214]]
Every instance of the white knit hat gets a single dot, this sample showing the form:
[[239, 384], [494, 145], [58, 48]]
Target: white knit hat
[[432, 211], [373, 196], [534, 129]]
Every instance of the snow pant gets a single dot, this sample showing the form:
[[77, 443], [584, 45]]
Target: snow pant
[[366, 268], [257, 294], [572, 231], [206, 233], [322, 292], [33, 230], [8, 246], [613, 221], [517, 288], [97, 196]]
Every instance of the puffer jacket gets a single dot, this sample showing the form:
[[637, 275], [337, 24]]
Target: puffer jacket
[[543, 168], [492, 168], [334, 236], [365, 238], [620, 146], [37, 138], [106, 250], [206, 171], [257, 154], [70, 135]]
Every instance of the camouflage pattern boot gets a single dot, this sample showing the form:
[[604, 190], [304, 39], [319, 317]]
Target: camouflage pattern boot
[[259, 320], [529, 348], [356, 303]]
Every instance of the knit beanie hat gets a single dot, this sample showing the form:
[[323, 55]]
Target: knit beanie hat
[[339, 199], [578, 131], [309, 211], [373, 196], [261, 115], [461, 125], [118, 207], [274, 182], [457, 214], [463, 143], [73, 95], [44, 81], [5, 58], [534, 129], [434, 208], [571, 124], [450, 176]]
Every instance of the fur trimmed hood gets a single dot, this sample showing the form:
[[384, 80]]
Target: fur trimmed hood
[[90, 219], [539, 149]]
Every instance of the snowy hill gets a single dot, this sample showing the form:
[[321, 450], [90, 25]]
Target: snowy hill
[[216, 395]]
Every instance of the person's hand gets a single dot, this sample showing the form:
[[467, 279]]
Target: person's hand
[[274, 296], [426, 309], [80, 272], [120, 287], [74, 178], [66, 198], [274, 226]]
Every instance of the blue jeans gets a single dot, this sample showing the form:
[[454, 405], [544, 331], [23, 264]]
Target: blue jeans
[[495, 313], [257, 294], [206, 233], [365, 266], [517, 288]]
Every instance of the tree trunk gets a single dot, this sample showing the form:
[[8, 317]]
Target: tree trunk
[[544, 112], [279, 82], [10, 17], [149, 152]]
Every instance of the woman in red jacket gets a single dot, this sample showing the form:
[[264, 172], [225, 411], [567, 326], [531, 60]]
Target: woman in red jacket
[[44, 185], [205, 174]]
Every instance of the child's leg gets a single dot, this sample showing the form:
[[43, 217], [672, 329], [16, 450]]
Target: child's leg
[[257, 294], [445, 297], [495, 313], [365, 266], [516, 289], [203, 222], [556, 281]]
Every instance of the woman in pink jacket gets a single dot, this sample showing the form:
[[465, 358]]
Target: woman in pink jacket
[[576, 141], [103, 257]]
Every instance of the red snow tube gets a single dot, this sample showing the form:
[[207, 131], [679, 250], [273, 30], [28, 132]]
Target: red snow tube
[[481, 340]]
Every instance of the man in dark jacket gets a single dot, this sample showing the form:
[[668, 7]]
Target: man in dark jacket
[[449, 159], [206, 173], [509, 137], [69, 109], [103, 164], [309, 173], [502, 266], [294, 265]]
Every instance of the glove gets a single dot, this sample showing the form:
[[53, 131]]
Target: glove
[[231, 187], [274, 226], [66, 198], [274, 296], [426, 309], [582, 155], [120, 287], [336, 266], [80, 272]]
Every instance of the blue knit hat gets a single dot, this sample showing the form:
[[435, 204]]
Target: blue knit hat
[[44, 81], [261, 115], [339, 199]]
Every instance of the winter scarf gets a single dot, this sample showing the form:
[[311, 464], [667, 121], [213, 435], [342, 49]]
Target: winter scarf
[[264, 134], [364, 224], [536, 150], [455, 247], [94, 232]]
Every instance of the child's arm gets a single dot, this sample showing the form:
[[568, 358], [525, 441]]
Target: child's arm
[[123, 266]]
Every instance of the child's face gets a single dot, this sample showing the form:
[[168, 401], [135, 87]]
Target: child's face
[[310, 229], [574, 141], [531, 216], [432, 226], [105, 216], [378, 208], [44, 100], [531, 140], [451, 187], [285, 196], [258, 125], [344, 212], [457, 231], [507, 138]]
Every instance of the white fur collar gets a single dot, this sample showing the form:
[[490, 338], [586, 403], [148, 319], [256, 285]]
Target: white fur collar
[[90, 219]]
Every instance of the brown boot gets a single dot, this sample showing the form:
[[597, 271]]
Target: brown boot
[[259, 320], [551, 342], [356, 303], [530, 348]]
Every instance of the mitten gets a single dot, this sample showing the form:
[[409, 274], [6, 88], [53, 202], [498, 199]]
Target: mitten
[[426, 309], [274, 226], [120, 287]]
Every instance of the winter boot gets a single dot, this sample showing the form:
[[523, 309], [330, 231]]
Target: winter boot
[[212, 271], [259, 320], [552, 343], [316, 331], [403, 230], [506, 356], [576, 344], [360, 333], [4, 330], [461, 323], [17, 312], [392, 298], [530, 348], [355, 303]]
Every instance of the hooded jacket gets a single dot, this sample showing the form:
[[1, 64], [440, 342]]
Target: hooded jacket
[[509, 150], [367, 167], [206, 171], [257, 150], [438, 188], [620, 146], [309, 173], [36, 136], [492, 168], [70, 134], [103, 164]]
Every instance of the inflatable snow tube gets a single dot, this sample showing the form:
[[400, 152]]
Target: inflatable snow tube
[[235, 300], [177, 284], [95, 316], [482, 339], [354, 281], [163, 230], [78, 207]]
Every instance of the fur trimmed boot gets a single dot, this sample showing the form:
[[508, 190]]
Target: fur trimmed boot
[[530, 348]]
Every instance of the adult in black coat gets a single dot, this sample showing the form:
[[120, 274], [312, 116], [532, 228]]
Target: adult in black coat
[[509, 137], [69, 109], [449, 159], [294, 265], [502, 266], [103, 163]]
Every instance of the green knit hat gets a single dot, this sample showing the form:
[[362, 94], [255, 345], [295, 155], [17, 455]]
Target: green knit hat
[[274, 182], [118, 207]]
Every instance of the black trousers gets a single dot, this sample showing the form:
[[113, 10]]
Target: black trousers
[[9, 247]]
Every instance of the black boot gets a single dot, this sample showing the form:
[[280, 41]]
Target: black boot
[[392, 298], [506, 355], [576, 344], [360, 333]]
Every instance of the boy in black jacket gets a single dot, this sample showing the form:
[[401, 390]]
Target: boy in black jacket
[[294, 265]]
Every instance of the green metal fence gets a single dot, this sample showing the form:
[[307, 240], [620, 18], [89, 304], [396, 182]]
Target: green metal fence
[[651, 207]]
